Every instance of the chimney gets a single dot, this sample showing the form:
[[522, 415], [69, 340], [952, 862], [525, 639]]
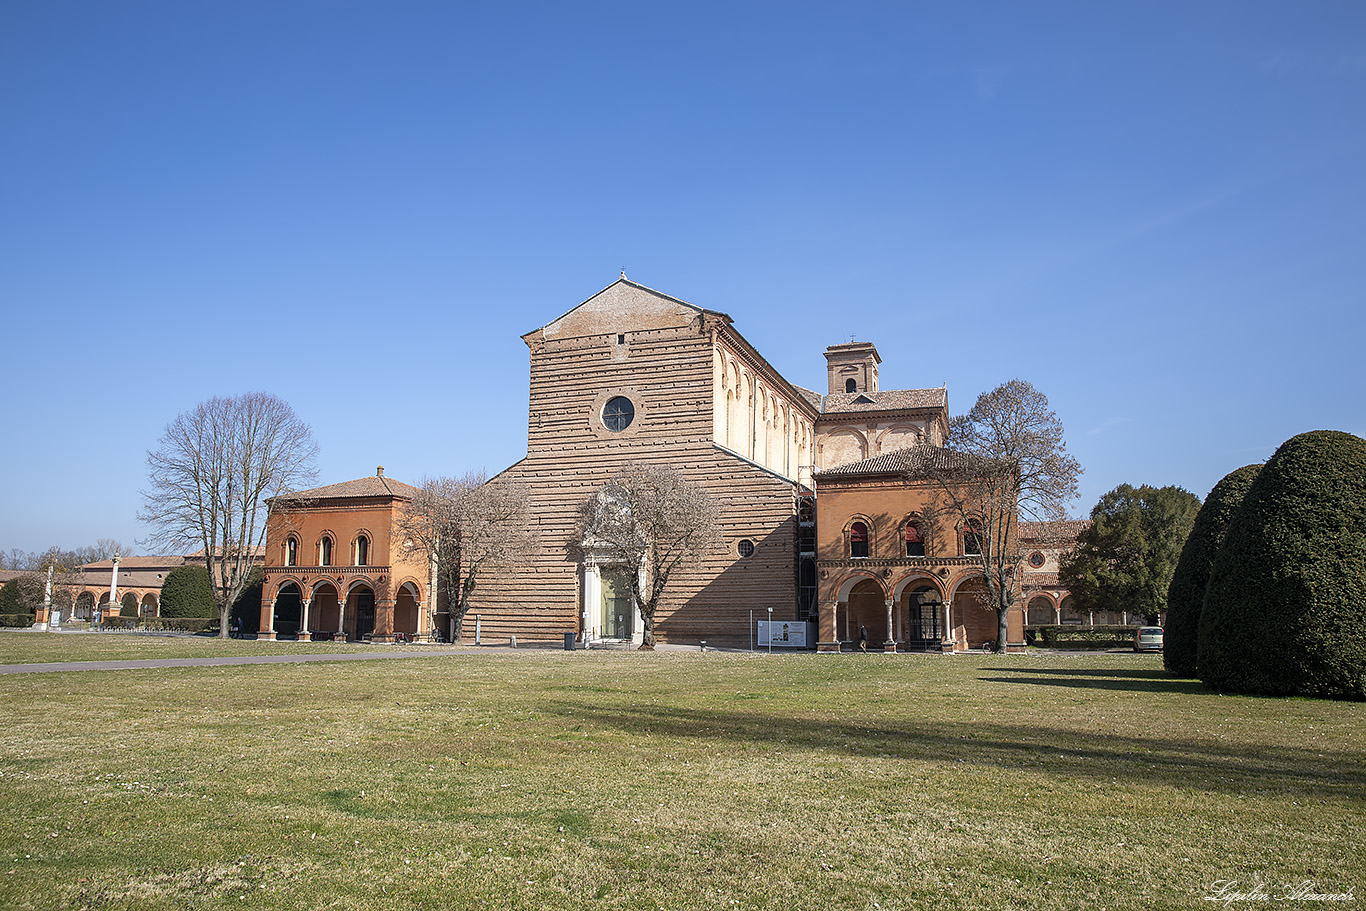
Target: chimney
[[379, 471]]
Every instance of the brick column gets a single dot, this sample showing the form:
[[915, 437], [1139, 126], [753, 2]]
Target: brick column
[[266, 625], [827, 638]]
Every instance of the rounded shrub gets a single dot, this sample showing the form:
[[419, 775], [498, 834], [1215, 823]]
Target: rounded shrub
[[1285, 607], [187, 592], [1186, 594]]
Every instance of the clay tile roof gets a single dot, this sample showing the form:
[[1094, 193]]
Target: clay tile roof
[[1061, 530], [811, 396], [128, 564], [886, 400], [371, 486], [912, 460]]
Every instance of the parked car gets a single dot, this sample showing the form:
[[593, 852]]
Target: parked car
[[1148, 639]]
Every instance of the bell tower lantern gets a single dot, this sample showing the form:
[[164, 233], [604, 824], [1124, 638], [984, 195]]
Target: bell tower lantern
[[852, 367]]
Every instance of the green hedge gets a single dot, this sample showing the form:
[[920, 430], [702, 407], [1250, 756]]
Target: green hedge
[[1080, 636], [1285, 609], [187, 592], [1186, 596], [16, 621]]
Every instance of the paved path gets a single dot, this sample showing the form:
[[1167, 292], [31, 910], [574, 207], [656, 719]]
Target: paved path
[[213, 662]]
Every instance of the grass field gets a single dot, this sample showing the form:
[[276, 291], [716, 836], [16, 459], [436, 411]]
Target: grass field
[[669, 780], [29, 648]]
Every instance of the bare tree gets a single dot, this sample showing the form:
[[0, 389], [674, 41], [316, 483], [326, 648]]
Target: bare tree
[[1013, 464], [651, 520], [210, 475], [468, 527]]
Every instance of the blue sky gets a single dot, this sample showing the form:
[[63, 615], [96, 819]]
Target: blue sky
[[1154, 212]]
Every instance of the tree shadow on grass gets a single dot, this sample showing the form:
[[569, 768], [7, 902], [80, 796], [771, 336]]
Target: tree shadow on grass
[[1138, 680], [1056, 751]]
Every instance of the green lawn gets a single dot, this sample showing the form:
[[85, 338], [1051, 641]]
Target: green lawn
[[29, 647], [670, 780]]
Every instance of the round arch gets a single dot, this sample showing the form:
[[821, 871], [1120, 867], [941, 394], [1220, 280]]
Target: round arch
[[847, 533], [150, 606], [288, 610], [865, 612], [913, 581], [1041, 608], [280, 582], [842, 446], [972, 620], [324, 609], [921, 625], [848, 583], [360, 606], [407, 610]]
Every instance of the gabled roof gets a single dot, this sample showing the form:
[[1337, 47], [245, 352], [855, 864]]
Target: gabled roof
[[911, 461], [371, 486], [886, 400], [626, 282]]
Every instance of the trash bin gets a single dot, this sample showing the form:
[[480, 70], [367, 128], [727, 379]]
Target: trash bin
[[569, 642]]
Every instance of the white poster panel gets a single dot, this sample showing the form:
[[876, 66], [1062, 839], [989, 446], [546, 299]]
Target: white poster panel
[[783, 634]]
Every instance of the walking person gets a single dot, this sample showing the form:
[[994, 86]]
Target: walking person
[[862, 638]]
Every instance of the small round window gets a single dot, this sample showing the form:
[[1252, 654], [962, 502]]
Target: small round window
[[746, 547], [618, 414], [1036, 559]]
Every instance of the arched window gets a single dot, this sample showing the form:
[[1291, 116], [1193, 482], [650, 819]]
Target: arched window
[[915, 544], [325, 551], [972, 537], [851, 385], [858, 540], [291, 551], [362, 551]]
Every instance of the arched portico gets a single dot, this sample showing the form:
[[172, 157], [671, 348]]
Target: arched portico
[[406, 611], [866, 609], [971, 618], [1042, 609], [324, 612], [149, 606], [360, 614], [861, 602], [287, 612], [85, 605], [922, 613]]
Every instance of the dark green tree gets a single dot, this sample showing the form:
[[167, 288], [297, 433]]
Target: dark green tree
[[246, 610], [1285, 608], [187, 592], [1124, 561], [22, 594], [1186, 596]]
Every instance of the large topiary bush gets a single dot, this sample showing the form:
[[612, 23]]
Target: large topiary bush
[[1285, 608], [1186, 595], [188, 593]]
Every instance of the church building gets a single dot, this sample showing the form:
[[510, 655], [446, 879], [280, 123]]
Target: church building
[[635, 375], [632, 374]]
